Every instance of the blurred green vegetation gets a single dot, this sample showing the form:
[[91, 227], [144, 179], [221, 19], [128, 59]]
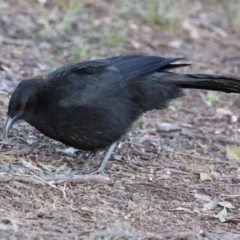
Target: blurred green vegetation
[[67, 8], [168, 14], [210, 98], [113, 20], [85, 25]]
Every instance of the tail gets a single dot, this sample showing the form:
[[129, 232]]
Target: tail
[[156, 90], [202, 81], [147, 82]]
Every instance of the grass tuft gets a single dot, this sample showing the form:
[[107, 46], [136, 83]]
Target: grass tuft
[[54, 26]]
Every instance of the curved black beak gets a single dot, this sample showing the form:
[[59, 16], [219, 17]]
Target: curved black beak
[[10, 121]]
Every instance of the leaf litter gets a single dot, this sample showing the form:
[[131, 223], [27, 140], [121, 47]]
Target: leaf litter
[[177, 169]]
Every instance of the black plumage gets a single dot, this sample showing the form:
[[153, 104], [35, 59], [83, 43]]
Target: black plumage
[[89, 105]]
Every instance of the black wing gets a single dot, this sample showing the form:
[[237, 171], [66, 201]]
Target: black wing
[[94, 81]]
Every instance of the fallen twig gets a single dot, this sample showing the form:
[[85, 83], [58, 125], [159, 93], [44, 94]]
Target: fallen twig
[[145, 235], [201, 157], [47, 183], [12, 190], [206, 234], [55, 179], [77, 178]]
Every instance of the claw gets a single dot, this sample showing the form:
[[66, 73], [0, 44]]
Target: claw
[[103, 163]]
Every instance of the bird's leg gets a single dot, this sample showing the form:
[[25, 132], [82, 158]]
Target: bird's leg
[[87, 159], [103, 163]]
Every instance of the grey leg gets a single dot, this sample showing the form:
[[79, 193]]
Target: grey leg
[[90, 155], [103, 163], [87, 159]]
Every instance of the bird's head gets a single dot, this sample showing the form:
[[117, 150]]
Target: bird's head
[[22, 102]]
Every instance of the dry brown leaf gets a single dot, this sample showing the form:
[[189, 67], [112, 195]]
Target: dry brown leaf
[[132, 205], [204, 176], [135, 44], [234, 119], [192, 29], [224, 111]]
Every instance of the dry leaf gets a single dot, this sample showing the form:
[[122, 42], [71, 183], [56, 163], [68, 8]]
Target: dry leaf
[[210, 205], [234, 119], [68, 150], [8, 221], [226, 205], [192, 29], [202, 197], [204, 176], [184, 209], [233, 152], [132, 205], [135, 44], [224, 111], [221, 214], [168, 127], [237, 174], [221, 219], [175, 43]]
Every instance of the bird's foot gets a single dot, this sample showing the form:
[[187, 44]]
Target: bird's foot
[[99, 169]]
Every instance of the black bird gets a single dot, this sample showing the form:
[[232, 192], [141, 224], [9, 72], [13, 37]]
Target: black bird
[[89, 105]]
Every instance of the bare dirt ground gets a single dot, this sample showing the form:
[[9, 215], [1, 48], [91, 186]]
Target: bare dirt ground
[[178, 172]]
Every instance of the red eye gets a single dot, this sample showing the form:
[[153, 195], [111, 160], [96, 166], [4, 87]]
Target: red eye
[[22, 106]]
